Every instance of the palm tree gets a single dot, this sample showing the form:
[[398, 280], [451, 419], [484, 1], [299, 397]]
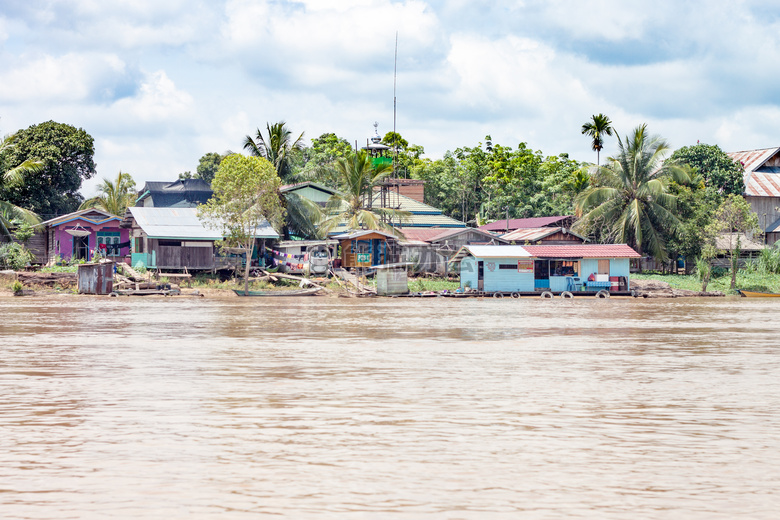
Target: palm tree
[[114, 197], [597, 128], [277, 147], [353, 206], [630, 199], [10, 212]]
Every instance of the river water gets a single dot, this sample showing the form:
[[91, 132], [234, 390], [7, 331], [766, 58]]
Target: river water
[[329, 408]]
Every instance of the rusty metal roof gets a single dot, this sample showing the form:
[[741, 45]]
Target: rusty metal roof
[[583, 251], [534, 234], [760, 180]]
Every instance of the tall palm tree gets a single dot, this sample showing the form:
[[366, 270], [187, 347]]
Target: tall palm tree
[[597, 128], [11, 212], [114, 197], [630, 199], [353, 206], [277, 146]]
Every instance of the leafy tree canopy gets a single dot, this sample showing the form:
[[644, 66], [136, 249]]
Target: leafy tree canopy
[[66, 154], [246, 192], [722, 175]]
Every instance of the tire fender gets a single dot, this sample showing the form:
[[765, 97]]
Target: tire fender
[[602, 294], [567, 294], [547, 294], [498, 295]]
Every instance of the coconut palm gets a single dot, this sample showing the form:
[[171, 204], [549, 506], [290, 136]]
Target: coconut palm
[[353, 206], [597, 128], [630, 200], [277, 147], [302, 217], [10, 212], [114, 197]]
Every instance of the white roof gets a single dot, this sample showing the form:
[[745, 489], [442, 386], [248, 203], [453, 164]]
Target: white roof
[[183, 224], [491, 252]]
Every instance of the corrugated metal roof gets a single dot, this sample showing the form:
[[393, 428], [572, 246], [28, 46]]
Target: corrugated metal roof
[[361, 233], [94, 215], [583, 251], [760, 181], [518, 223], [491, 252], [183, 223], [534, 234], [437, 234], [727, 241]]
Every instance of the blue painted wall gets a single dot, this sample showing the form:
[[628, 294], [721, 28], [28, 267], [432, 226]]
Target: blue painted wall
[[496, 280], [468, 273]]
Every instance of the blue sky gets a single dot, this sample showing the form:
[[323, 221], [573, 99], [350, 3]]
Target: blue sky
[[160, 83]]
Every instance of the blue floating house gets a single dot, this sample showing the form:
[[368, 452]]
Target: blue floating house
[[576, 268]]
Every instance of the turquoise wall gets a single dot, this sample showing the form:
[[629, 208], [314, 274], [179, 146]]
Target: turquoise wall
[[468, 273]]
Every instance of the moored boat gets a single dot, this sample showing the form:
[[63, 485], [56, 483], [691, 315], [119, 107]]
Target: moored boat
[[300, 292], [755, 294]]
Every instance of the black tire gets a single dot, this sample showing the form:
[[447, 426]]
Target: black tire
[[498, 295], [602, 294], [567, 294], [547, 295], [515, 295]]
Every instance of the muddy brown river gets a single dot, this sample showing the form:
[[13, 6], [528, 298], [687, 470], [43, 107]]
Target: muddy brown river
[[328, 408]]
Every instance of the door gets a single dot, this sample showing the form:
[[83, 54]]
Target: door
[[81, 248], [480, 275]]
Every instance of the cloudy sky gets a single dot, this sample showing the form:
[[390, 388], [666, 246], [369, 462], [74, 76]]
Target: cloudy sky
[[159, 83]]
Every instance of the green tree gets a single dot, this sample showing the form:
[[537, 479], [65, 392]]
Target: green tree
[[246, 193], [113, 197], [598, 127], [732, 220], [631, 202], [278, 147], [10, 212], [319, 158], [353, 205], [208, 166], [722, 175], [66, 156]]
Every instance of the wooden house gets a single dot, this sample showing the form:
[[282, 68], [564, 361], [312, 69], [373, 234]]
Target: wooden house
[[430, 249], [367, 247], [175, 238], [536, 269], [762, 188], [76, 236]]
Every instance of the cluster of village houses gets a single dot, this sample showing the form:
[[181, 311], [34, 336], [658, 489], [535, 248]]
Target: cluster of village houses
[[162, 232]]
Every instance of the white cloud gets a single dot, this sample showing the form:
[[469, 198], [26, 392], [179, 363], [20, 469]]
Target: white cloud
[[71, 77], [158, 100]]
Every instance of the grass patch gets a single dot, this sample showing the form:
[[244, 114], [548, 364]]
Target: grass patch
[[749, 281], [59, 269]]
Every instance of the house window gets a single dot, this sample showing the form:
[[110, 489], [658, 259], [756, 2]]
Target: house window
[[139, 245], [507, 267], [603, 266], [564, 268], [172, 243]]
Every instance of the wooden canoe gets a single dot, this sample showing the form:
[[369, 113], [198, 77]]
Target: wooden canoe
[[300, 292], [754, 294]]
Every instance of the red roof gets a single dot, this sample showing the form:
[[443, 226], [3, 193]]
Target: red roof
[[760, 181], [583, 251], [517, 223]]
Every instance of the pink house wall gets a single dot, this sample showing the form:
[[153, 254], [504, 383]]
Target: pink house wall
[[63, 244]]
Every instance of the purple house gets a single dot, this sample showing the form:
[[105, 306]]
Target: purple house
[[77, 234]]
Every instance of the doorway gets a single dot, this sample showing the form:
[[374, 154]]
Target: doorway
[[480, 275], [81, 248]]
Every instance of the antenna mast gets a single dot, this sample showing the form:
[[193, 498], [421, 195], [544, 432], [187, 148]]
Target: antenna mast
[[395, 76]]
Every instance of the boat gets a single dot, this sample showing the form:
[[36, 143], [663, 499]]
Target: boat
[[754, 294], [299, 292]]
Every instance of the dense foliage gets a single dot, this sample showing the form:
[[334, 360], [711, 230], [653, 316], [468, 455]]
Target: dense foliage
[[66, 154], [722, 176]]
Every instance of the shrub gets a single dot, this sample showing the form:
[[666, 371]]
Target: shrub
[[15, 256], [17, 287]]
